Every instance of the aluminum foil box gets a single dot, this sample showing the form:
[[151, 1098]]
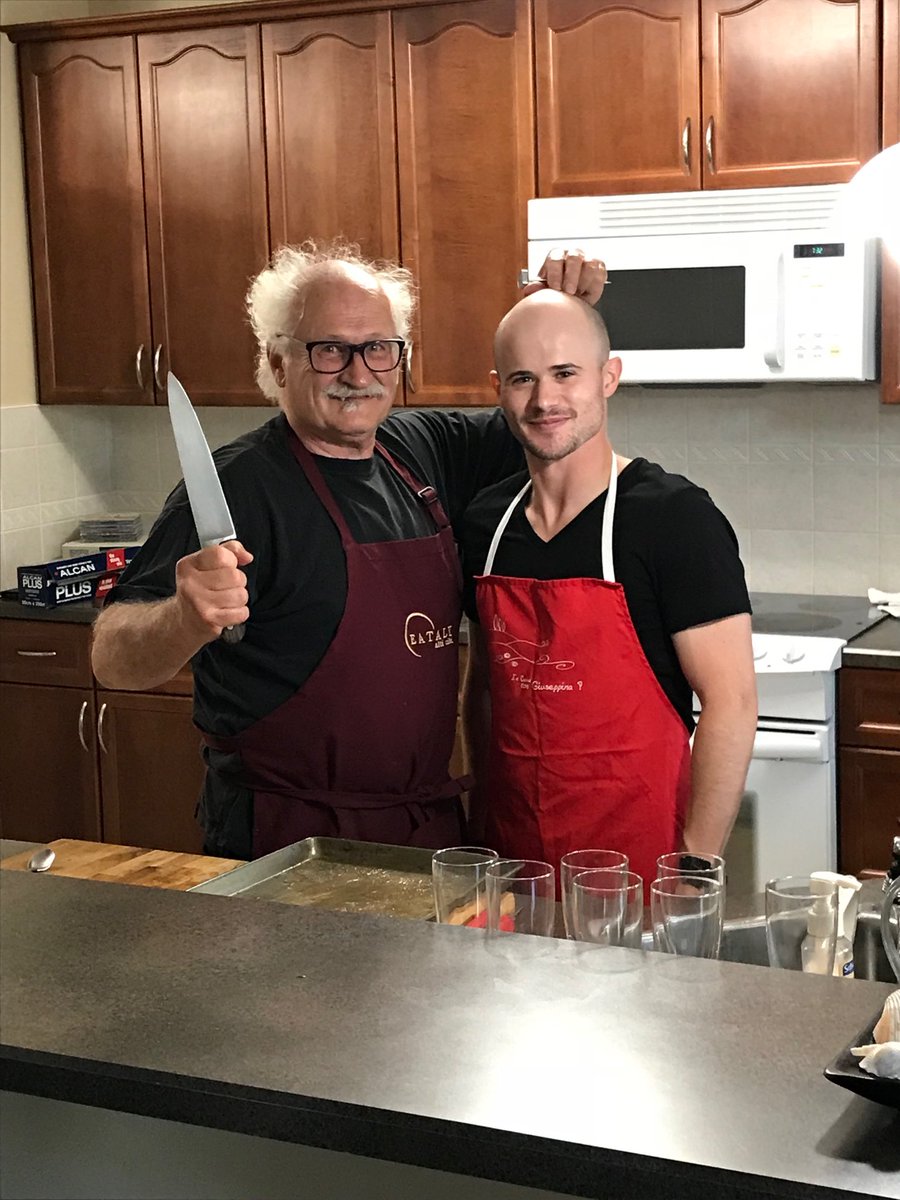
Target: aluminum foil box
[[65, 580]]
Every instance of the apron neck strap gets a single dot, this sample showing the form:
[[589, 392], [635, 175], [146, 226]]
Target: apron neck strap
[[606, 531]]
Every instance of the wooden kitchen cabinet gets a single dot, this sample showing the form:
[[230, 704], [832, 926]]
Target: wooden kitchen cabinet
[[868, 767], [151, 770], [890, 279], [145, 228], [466, 168], [86, 214], [81, 762], [771, 93], [330, 138]]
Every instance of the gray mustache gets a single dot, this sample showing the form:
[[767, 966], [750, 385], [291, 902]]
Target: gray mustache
[[344, 391]]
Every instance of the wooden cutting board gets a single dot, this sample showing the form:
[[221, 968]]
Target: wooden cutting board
[[127, 864]]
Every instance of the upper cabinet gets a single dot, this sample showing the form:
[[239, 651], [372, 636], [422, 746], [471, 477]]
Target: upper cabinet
[[330, 141], [667, 95], [86, 208], [147, 205], [466, 158], [618, 96], [890, 316]]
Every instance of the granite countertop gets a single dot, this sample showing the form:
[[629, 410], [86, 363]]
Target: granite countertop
[[877, 647], [585, 1070]]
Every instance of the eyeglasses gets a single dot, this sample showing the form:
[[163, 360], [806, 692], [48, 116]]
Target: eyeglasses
[[329, 358]]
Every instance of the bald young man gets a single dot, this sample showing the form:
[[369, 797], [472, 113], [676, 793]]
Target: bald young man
[[602, 591]]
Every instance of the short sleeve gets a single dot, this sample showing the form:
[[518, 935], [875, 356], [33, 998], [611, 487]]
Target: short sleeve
[[699, 573], [151, 573]]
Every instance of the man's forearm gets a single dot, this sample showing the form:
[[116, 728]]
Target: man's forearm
[[142, 644], [723, 744]]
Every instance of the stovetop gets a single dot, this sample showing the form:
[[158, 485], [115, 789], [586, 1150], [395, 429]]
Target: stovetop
[[802, 615]]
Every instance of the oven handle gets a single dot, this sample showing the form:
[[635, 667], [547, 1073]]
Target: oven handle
[[810, 746]]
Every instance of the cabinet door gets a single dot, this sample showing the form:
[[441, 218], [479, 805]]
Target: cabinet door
[[330, 142], [207, 225], [151, 771], [465, 143], [86, 215], [618, 96], [869, 808], [890, 279], [790, 90], [48, 763]]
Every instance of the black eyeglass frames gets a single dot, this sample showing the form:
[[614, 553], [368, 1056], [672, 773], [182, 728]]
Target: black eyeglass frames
[[329, 358]]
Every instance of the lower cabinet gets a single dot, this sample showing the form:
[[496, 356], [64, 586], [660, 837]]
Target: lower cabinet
[[83, 762], [868, 767]]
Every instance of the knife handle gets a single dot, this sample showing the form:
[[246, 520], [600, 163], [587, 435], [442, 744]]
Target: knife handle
[[232, 634]]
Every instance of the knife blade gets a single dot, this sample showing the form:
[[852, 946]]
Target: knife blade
[[212, 516]]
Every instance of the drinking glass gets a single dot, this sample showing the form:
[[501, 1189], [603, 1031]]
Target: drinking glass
[[687, 912], [706, 866], [457, 879], [573, 863], [801, 923], [521, 896], [608, 908]]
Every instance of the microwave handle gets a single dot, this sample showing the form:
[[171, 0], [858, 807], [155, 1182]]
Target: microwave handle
[[774, 356]]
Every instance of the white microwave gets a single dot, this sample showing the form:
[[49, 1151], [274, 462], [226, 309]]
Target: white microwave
[[752, 285]]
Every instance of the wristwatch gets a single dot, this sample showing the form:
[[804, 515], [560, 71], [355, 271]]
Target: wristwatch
[[691, 863]]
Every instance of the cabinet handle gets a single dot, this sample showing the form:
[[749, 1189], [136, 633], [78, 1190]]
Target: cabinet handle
[[157, 355], [36, 653], [139, 367], [100, 717], [686, 143], [709, 144], [81, 716], [407, 367]]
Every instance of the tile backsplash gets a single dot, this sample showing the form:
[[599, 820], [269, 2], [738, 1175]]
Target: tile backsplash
[[809, 477]]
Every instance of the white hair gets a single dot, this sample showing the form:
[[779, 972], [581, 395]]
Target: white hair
[[277, 296]]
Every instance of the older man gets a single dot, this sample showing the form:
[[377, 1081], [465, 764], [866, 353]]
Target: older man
[[605, 590], [335, 714]]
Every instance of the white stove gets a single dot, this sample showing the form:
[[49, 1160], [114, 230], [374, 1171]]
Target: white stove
[[787, 824]]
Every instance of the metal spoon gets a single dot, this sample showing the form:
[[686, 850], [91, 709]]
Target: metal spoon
[[42, 860]]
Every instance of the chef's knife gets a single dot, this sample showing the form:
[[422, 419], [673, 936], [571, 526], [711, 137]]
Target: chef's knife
[[208, 503]]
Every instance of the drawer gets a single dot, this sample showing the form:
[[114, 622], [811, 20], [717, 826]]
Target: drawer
[[50, 652], [869, 708]]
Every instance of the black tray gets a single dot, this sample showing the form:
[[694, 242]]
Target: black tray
[[845, 1071]]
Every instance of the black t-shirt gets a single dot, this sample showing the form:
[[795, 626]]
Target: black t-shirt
[[297, 581], [674, 553]]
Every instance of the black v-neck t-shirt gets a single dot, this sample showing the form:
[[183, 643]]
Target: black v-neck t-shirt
[[674, 553]]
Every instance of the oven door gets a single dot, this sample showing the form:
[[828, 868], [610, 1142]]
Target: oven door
[[786, 824]]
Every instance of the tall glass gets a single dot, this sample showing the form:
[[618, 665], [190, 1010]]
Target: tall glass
[[801, 923], [687, 912], [576, 861], [521, 896], [458, 882], [608, 908]]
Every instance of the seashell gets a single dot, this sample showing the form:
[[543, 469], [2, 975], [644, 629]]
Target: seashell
[[888, 1026]]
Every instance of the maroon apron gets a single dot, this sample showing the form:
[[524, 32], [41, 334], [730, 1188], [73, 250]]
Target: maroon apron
[[362, 749]]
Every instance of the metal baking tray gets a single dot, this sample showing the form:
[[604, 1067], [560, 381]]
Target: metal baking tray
[[337, 874]]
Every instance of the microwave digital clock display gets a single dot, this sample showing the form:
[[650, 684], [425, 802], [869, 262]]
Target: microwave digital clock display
[[820, 250], [676, 308]]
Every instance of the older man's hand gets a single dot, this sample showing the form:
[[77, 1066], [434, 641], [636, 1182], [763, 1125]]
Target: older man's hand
[[571, 272]]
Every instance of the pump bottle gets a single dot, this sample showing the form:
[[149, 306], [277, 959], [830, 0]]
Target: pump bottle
[[848, 887], [817, 948]]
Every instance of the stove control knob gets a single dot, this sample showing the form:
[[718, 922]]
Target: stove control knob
[[794, 655]]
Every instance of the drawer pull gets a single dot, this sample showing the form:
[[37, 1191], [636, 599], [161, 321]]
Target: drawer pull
[[37, 653], [103, 745], [81, 716]]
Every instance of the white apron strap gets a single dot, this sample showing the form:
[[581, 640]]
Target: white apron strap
[[606, 531]]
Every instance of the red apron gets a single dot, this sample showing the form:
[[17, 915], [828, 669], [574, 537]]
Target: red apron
[[362, 749], [587, 750]]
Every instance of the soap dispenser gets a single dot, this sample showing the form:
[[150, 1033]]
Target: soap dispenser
[[818, 947], [848, 888]]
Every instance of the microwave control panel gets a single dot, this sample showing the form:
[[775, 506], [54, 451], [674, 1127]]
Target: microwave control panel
[[817, 315]]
